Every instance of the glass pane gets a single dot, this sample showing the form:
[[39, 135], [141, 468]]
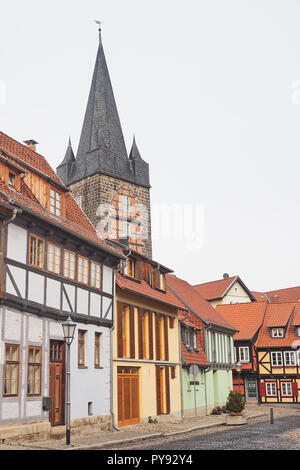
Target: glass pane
[[40, 252], [32, 250]]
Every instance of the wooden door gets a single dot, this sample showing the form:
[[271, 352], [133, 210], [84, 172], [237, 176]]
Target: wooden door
[[57, 383], [128, 396]]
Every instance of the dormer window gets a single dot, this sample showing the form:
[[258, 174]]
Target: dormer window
[[55, 202], [130, 268], [277, 332]]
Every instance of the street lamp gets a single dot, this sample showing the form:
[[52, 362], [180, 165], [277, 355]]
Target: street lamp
[[238, 368], [68, 331]]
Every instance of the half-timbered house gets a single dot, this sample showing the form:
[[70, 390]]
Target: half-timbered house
[[211, 348], [278, 354], [52, 264], [247, 318]]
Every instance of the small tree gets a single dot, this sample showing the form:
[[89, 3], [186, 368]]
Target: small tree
[[235, 402]]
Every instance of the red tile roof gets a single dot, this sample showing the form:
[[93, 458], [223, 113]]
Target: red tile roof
[[246, 317], [75, 221], [195, 302], [215, 289], [264, 340], [290, 294], [193, 357], [279, 314], [144, 289], [28, 156], [296, 320]]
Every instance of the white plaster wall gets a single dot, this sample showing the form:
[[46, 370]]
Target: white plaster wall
[[107, 279], [82, 301], [16, 243], [95, 304], [12, 325], [90, 384], [53, 293], [70, 290], [34, 408], [10, 410], [35, 330], [36, 288], [106, 303], [19, 276]]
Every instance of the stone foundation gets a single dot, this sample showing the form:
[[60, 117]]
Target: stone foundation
[[42, 430]]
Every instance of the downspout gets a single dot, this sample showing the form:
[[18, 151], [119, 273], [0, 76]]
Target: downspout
[[115, 271], [205, 372], [180, 359], [4, 224]]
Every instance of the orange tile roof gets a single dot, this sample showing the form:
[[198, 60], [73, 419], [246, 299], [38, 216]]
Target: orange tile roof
[[28, 156], [144, 289], [289, 294], [279, 314], [264, 340], [193, 357], [76, 221], [296, 320], [215, 289], [195, 302], [246, 317]]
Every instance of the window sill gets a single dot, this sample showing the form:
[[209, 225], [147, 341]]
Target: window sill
[[82, 367], [98, 367]]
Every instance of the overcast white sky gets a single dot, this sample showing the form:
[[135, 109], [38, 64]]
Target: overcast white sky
[[207, 88]]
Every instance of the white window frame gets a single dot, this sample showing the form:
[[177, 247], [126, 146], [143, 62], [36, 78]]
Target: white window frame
[[277, 354], [289, 355], [271, 389], [298, 357], [244, 352], [277, 332], [234, 354], [288, 385], [195, 340]]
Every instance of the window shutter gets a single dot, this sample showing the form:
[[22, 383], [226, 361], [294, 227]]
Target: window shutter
[[295, 389], [140, 333], [158, 395], [131, 328], [157, 336], [156, 279], [167, 390], [119, 329], [150, 328], [262, 389], [166, 335]]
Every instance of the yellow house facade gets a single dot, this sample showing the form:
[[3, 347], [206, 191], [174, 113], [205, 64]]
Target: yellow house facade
[[146, 357]]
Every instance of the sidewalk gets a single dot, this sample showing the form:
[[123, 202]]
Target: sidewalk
[[140, 432]]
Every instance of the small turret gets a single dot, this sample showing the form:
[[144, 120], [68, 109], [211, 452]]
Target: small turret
[[64, 169]]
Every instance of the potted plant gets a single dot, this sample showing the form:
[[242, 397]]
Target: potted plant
[[234, 407]]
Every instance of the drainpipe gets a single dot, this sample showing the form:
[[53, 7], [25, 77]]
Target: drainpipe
[[180, 360], [205, 371], [115, 271], [3, 225]]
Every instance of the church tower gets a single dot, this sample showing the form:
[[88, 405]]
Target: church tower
[[112, 188]]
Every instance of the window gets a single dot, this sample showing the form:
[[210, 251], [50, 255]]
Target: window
[[289, 358], [276, 359], [130, 268], [95, 275], [11, 370], [36, 251], [34, 371], [83, 270], [81, 347], [53, 259], [186, 337], [244, 354], [298, 331], [234, 354], [11, 179], [286, 389], [162, 281], [69, 264], [97, 349], [54, 202], [195, 340], [277, 332], [271, 390]]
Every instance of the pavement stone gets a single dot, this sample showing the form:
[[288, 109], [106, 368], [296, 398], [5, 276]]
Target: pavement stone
[[140, 432]]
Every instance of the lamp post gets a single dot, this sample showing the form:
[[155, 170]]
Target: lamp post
[[238, 368], [68, 331]]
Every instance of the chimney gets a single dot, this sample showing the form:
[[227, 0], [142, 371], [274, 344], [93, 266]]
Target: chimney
[[31, 144]]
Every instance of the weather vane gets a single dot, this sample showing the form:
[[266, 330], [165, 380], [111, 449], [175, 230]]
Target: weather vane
[[99, 23]]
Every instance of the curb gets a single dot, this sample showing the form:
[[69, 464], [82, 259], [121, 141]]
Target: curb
[[156, 435]]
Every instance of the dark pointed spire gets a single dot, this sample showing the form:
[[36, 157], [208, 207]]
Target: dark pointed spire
[[101, 146], [134, 152], [63, 170]]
